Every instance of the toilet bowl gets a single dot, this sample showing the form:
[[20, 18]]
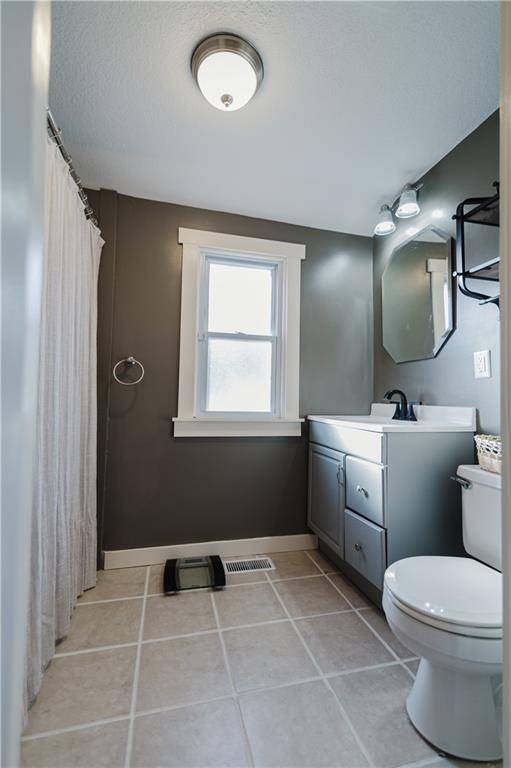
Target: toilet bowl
[[448, 611]]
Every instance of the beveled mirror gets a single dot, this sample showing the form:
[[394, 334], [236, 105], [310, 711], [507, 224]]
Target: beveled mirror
[[417, 316]]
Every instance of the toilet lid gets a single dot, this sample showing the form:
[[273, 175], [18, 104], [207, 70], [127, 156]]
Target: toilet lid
[[457, 590]]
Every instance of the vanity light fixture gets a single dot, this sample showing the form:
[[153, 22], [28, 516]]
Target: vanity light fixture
[[404, 207], [228, 71], [385, 224], [408, 205]]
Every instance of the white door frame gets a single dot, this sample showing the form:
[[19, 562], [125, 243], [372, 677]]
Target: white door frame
[[505, 255], [26, 48]]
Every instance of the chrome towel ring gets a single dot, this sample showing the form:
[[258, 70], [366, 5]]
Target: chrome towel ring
[[128, 362]]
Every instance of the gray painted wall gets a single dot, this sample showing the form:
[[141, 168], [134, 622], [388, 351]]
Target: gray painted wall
[[154, 489], [467, 171]]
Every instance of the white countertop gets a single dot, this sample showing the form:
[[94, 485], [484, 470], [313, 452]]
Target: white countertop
[[430, 418]]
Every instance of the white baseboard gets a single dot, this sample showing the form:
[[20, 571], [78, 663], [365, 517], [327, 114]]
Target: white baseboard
[[126, 558]]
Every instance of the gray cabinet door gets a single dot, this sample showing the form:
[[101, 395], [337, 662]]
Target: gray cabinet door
[[326, 495]]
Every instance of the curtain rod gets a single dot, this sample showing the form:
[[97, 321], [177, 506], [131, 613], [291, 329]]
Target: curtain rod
[[55, 133]]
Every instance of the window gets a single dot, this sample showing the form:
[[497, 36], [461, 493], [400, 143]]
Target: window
[[239, 355], [239, 337]]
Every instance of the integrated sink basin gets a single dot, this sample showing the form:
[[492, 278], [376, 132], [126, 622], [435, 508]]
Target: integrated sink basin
[[430, 418]]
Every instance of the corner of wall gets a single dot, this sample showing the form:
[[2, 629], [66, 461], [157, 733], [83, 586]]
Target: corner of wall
[[107, 217]]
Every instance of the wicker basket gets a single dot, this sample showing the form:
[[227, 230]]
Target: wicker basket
[[489, 452]]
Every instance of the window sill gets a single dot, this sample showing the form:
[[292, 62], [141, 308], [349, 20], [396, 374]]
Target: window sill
[[237, 427]]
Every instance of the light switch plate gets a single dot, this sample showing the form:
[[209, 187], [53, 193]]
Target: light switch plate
[[482, 364]]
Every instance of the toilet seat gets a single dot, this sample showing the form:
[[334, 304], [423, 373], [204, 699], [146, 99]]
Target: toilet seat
[[455, 594], [492, 633]]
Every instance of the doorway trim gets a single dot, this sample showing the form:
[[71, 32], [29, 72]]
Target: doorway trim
[[505, 274]]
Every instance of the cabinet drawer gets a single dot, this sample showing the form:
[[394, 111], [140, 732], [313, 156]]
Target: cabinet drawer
[[364, 547], [365, 489], [359, 442]]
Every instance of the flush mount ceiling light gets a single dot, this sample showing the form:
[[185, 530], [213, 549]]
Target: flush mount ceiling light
[[385, 224], [228, 71], [408, 205]]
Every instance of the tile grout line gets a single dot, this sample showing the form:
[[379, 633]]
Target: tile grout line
[[295, 578], [136, 673], [323, 613], [100, 648], [356, 670], [96, 649], [76, 727], [278, 686], [204, 589], [326, 682], [368, 625], [248, 749], [84, 604], [427, 761], [121, 718], [175, 707], [230, 628]]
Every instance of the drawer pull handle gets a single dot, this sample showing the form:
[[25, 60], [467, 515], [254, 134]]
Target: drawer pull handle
[[363, 491], [358, 547]]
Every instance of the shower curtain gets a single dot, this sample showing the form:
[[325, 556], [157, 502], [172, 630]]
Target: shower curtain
[[63, 543]]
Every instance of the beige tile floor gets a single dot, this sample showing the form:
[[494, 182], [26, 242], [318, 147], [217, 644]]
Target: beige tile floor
[[293, 668]]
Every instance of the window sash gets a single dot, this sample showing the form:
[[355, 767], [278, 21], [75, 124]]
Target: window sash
[[204, 335]]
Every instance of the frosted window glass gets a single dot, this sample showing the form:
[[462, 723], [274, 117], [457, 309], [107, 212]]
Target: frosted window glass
[[240, 299], [239, 376]]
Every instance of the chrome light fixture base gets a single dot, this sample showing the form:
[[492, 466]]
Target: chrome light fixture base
[[226, 43]]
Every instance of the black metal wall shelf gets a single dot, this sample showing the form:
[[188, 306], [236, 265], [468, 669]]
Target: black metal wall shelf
[[485, 211], [489, 270]]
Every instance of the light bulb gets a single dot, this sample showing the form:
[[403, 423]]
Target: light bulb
[[385, 224], [408, 205]]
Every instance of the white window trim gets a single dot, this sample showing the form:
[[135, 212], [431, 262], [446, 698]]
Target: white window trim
[[189, 422]]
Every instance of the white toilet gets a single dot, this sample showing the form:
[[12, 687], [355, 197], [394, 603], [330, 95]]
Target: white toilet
[[448, 611]]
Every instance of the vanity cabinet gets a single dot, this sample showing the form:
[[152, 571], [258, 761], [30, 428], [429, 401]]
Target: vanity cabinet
[[379, 496]]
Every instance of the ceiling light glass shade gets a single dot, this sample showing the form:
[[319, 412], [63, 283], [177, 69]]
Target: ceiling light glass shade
[[385, 224], [408, 205], [228, 71]]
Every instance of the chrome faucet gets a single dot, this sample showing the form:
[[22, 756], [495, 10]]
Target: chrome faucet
[[403, 411]]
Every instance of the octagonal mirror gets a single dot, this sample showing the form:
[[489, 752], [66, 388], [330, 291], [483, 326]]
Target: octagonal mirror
[[417, 297]]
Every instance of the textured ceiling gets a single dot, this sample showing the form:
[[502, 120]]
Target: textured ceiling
[[358, 98]]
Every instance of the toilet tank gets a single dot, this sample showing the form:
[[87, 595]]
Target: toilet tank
[[482, 515]]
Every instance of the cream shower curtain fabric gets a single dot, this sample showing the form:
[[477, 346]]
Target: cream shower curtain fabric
[[63, 544]]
